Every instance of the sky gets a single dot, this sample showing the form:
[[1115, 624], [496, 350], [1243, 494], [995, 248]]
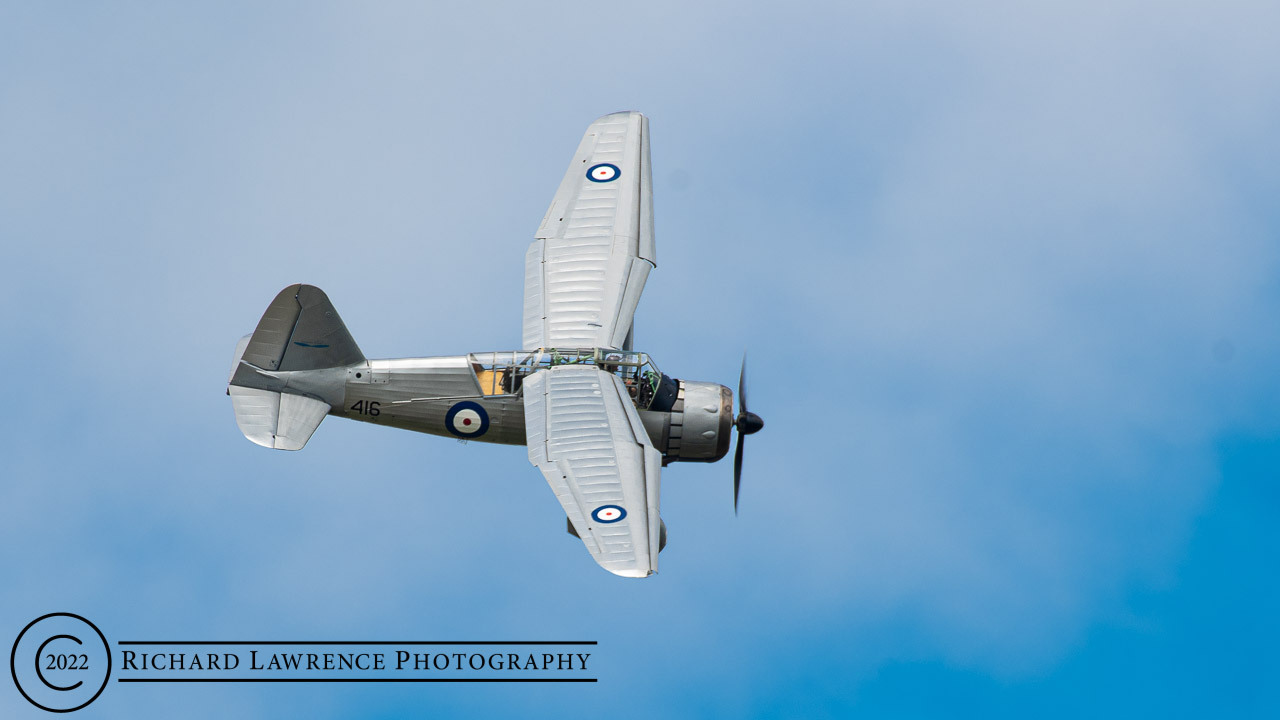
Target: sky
[[1006, 275]]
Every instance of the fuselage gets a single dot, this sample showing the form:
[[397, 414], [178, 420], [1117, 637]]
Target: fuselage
[[479, 397], [418, 394]]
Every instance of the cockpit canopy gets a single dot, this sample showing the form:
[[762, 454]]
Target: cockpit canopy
[[503, 373]]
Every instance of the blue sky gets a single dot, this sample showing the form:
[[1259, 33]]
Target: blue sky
[[1007, 276]]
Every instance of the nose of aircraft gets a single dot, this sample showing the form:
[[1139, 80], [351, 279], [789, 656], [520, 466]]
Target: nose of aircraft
[[749, 423]]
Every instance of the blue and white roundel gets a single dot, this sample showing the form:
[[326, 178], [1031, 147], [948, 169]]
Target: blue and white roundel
[[608, 514], [604, 172], [467, 420]]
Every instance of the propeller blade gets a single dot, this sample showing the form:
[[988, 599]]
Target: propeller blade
[[746, 423], [737, 473]]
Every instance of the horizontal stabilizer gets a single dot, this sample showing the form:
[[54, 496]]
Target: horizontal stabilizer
[[282, 421]]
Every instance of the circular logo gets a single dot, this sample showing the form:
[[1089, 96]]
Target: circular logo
[[60, 662], [467, 419], [604, 172], [608, 514]]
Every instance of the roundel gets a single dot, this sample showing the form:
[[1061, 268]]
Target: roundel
[[604, 172], [608, 514], [467, 420]]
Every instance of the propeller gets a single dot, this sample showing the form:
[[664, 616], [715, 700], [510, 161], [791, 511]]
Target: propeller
[[747, 423]]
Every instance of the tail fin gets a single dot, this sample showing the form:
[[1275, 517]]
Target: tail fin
[[301, 331], [278, 387]]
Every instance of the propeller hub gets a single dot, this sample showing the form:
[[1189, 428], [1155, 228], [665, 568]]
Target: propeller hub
[[749, 423]]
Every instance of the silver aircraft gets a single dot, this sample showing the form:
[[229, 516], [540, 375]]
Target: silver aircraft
[[599, 418]]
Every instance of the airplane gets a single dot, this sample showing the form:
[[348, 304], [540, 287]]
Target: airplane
[[599, 418]]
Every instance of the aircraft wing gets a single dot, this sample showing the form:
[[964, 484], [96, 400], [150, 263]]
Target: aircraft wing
[[585, 436], [593, 252]]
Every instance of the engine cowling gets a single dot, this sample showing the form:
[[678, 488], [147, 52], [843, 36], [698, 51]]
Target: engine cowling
[[697, 426]]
